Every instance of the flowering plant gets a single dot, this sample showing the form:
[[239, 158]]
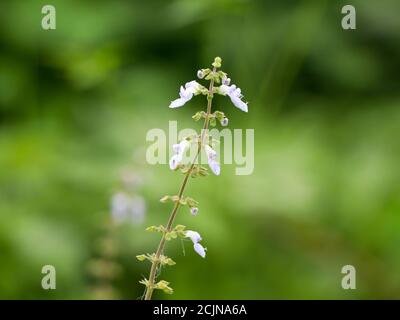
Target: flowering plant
[[193, 169]]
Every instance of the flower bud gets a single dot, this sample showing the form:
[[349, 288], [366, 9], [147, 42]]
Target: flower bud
[[217, 62], [224, 122], [200, 74], [226, 81], [194, 211]]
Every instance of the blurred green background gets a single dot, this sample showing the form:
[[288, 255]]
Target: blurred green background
[[76, 104]]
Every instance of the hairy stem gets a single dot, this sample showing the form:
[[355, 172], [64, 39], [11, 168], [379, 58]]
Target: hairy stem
[[160, 249]]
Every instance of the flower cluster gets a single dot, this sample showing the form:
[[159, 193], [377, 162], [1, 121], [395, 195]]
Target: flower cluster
[[194, 88], [219, 83]]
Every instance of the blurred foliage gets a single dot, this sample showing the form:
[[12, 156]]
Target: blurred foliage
[[76, 104]]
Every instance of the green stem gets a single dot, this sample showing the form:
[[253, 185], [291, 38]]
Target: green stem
[[160, 249]]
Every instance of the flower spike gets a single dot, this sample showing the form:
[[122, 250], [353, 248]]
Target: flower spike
[[219, 83]]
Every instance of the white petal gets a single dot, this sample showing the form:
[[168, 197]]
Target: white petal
[[193, 235], [238, 92], [211, 153], [186, 95], [180, 148], [192, 86], [199, 249], [214, 166], [177, 103], [184, 144], [238, 103], [182, 91], [175, 161], [176, 148], [224, 89]]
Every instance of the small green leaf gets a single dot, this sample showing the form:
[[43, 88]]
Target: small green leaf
[[141, 257], [164, 199], [180, 227], [191, 202], [203, 171], [163, 285], [197, 116], [219, 115], [170, 262], [164, 260], [213, 122], [168, 290]]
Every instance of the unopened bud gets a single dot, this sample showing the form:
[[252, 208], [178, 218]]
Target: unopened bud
[[224, 122], [226, 81], [200, 74]]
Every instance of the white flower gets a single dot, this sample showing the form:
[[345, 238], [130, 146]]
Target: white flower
[[224, 122], [193, 235], [179, 150], [200, 249], [181, 147], [235, 94], [211, 158], [194, 211], [186, 93]]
